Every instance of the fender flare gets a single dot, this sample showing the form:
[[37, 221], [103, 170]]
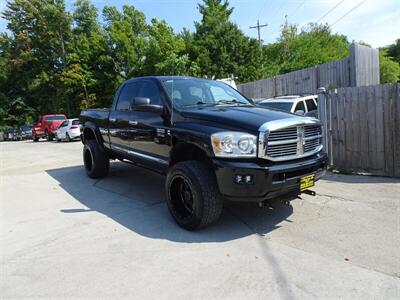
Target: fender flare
[[95, 130]]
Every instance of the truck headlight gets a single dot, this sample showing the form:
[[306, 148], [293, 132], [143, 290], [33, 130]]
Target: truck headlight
[[234, 144]]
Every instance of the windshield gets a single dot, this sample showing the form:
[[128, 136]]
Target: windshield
[[189, 92], [54, 118], [285, 106]]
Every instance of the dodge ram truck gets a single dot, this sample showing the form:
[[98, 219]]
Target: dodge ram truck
[[211, 142]]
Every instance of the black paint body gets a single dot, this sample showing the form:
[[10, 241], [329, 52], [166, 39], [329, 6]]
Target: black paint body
[[149, 139]]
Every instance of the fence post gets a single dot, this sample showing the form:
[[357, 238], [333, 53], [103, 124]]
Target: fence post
[[324, 116]]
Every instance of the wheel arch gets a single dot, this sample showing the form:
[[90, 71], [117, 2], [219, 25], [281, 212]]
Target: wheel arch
[[91, 132], [183, 151]]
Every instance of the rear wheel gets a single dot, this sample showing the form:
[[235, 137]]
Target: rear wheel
[[67, 137], [96, 160], [192, 195]]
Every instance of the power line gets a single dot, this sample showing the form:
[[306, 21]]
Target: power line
[[297, 8], [327, 13], [265, 6], [350, 11]]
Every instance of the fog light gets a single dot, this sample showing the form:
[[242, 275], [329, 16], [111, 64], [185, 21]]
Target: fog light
[[247, 179], [239, 179]]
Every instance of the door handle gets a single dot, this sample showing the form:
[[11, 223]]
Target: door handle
[[133, 122], [113, 119]]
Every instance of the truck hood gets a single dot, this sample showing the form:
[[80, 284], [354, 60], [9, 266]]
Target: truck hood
[[245, 117]]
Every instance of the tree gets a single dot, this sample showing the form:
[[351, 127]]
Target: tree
[[220, 48], [165, 51], [313, 45], [389, 69], [38, 50], [394, 51]]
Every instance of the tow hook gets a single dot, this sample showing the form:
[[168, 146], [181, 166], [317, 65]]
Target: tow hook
[[309, 192]]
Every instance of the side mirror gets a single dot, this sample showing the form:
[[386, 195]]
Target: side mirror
[[143, 104], [140, 101], [300, 112]]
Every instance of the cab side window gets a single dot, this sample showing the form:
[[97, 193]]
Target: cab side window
[[127, 94], [148, 89], [300, 106]]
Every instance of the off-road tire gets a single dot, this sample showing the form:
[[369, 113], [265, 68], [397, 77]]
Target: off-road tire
[[95, 159], [207, 202]]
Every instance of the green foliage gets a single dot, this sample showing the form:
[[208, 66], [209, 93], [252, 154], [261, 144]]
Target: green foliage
[[313, 45], [389, 68], [394, 51], [55, 61], [220, 48]]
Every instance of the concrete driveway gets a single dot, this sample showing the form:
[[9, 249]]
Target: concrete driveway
[[64, 235]]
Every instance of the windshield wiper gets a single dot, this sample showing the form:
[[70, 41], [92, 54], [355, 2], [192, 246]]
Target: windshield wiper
[[232, 101]]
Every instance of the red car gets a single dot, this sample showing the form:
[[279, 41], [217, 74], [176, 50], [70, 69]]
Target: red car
[[47, 126]]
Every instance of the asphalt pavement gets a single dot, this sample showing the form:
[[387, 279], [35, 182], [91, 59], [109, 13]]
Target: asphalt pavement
[[64, 235]]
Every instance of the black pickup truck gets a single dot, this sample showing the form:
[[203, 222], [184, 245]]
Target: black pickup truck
[[210, 141]]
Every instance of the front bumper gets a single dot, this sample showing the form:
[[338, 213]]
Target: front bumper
[[268, 181]]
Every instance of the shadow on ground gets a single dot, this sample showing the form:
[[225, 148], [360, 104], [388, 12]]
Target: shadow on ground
[[134, 197]]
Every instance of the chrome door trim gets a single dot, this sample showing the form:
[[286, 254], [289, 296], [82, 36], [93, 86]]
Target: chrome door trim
[[138, 154]]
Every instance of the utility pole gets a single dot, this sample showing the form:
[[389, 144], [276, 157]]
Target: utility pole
[[258, 29]]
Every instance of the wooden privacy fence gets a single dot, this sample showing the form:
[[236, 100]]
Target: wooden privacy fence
[[362, 128], [360, 68]]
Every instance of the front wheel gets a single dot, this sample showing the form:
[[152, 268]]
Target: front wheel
[[96, 160], [192, 194], [49, 137]]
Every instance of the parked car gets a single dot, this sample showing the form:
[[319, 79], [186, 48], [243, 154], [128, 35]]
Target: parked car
[[14, 134], [301, 105], [8, 134], [47, 126], [210, 141], [25, 132], [69, 130]]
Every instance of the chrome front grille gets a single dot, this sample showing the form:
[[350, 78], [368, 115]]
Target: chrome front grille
[[290, 139]]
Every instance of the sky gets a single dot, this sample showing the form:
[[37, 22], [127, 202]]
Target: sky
[[376, 22]]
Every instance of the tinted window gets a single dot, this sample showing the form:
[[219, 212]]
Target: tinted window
[[192, 92], [65, 123], [75, 122], [54, 118], [126, 96], [149, 89], [300, 106], [285, 106], [311, 105]]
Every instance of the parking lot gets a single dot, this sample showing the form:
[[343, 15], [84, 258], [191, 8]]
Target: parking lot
[[64, 235]]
